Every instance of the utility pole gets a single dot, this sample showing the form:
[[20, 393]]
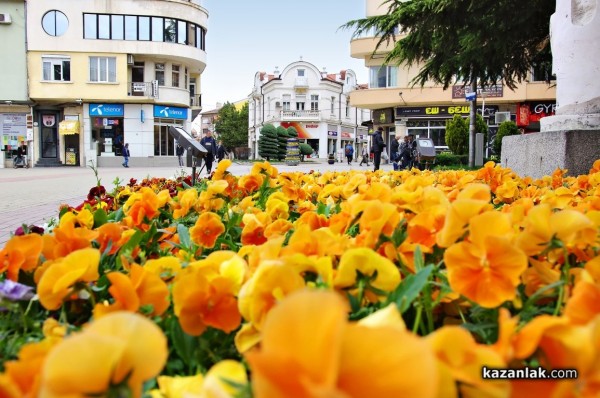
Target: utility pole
[[472, 119]]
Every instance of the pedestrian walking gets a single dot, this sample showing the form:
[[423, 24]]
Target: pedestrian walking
[[378, 147], [179, 152], [365, 155], [209, 143], [220, 151], [349, 151], [126, 155]]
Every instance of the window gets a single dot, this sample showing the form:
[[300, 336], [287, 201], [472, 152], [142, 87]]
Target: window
[[170, 30], [299, 106], [158, 26], [160, 74], [383, 76], [333, 105], [144, 28], [118, 27], [103, 69], [542, 72], [347, 107], [314, 102], [103, 26], [56, 69], [191, 35], [90, 26], [181, 32], [130, 27], [300, 72], [286, 99], [55, 23], [175, 75], [185, 78]]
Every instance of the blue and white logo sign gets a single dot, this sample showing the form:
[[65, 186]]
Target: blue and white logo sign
[[106, 110], [170, 112], [472, 96]]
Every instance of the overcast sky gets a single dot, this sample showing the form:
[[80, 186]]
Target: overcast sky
[[245, 37]]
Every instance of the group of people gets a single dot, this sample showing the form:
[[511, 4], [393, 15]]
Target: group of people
[[215, 149], [403, 155]]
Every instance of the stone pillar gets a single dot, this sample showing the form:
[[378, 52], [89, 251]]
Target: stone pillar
[[575, 38], [571, 138]]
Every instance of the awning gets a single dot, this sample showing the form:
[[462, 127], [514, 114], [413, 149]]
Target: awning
[[68, 127]]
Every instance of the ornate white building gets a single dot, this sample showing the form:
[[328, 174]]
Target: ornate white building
[[315, 102]]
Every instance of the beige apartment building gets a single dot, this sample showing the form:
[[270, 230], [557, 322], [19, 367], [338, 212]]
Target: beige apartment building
[[423, 111]]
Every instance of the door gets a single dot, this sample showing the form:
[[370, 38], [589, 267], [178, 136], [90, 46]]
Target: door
[[137, 80], [49, 135]]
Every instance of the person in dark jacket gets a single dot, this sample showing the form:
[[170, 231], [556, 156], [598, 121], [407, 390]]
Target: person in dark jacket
[[220, 151], [179, 152], [378, 147], [209, 143], [394, 151], [126, 155]]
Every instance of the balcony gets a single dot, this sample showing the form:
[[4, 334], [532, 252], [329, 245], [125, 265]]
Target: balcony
[[301, 82], [196, 101], [142, 89], [301, 116]]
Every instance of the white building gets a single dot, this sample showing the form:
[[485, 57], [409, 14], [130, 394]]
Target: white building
[[314, 102]]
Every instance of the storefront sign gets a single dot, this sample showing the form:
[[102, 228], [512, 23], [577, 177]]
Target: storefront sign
[[13, 129], [311, 126], [459, 92], [532, 112], [383, 116], [347, 135], [442, 111], [107, 109], [332, 133], [170, 112]]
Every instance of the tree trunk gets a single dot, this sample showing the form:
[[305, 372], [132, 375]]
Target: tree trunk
[[472, 119]]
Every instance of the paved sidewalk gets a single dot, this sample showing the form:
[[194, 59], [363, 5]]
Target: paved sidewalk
[[33, 196]]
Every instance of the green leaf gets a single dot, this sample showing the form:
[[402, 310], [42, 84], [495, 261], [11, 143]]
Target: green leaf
[[184, 235], [410, 288], [183, 343], [116, 215], [419, 259], [100, 218]]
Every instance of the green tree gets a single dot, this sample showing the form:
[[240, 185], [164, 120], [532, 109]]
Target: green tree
[[305, 150], [282, 137], [232, 126], [268, 144], [478, 43], [457, 135], [291, 131], [505, 129]]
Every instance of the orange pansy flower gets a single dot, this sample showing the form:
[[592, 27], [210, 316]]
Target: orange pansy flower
[[207, 229]]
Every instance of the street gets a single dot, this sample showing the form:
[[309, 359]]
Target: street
[[33, 196]]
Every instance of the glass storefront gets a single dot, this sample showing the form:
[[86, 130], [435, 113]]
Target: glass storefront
[[164, 144], [108, 133], [434, 129]]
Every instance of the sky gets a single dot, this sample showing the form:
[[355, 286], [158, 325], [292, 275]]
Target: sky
[[245, 37]]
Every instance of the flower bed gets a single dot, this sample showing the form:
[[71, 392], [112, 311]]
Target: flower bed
[[338, 284]]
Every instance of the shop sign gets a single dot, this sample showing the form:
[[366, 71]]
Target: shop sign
[[532, 112], [311, 126], [346, 135], [332, 133], [442, 111], [171, 112], [460, 92], [383, 116], [107, 110]]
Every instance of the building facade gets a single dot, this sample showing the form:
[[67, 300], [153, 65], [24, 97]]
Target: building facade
[[423, 111], [104, 73], [314, 102], [16, 123]]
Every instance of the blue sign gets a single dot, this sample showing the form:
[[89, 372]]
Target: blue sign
[[170, 112], [107, 110], [470, 96]]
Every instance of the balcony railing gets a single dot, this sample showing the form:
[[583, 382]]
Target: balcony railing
[[196, 100], [312, 116], [301, 82], [143, 89]]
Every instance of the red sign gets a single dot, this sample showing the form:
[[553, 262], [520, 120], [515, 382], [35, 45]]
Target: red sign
[[532, 112]]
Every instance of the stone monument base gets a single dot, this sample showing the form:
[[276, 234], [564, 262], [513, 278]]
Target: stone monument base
[[539, 154]]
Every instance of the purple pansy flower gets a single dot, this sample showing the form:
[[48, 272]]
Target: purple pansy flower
[[14, 291]]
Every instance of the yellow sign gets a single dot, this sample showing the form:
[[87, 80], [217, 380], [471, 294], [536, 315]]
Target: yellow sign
[[68, 127]]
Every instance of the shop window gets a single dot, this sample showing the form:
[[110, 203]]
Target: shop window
[[56, 69]]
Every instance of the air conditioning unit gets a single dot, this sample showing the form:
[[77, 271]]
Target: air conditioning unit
[[500, 117], [5, 19], [130, 59], [277, 104]]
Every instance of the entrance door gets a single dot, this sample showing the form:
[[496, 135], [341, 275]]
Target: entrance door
[[49, 135]]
